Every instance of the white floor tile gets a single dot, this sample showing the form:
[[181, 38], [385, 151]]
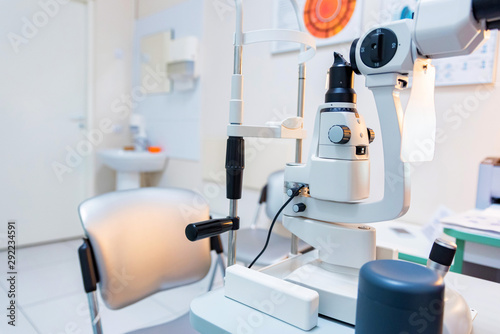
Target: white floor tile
[[49, 282], [177, 300], [39, 256], [71, 315], [142, 314], [73, 245], [22, 325]]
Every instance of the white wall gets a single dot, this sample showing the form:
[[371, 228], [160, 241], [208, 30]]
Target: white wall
[[112, 80], [270, 88], [149, 7], [173, 119]]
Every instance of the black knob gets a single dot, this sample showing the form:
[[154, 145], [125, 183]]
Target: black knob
[[379, 47], [299, 207], [339, 134], [371, 135], [443, 252], [293, 191]]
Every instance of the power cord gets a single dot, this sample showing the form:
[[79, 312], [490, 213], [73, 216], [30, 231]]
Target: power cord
[[295, 193]]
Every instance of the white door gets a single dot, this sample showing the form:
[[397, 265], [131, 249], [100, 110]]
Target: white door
[[43, 59]]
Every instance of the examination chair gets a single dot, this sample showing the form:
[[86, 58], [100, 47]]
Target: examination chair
[[252, 239], [139, 234]]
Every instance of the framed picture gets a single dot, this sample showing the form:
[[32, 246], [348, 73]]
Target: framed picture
[[329, 21]]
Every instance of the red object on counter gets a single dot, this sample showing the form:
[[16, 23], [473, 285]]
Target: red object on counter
[[154, 149]]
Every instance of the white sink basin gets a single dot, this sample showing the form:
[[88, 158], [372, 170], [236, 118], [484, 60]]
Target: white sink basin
[[133, 161], [129, 165]]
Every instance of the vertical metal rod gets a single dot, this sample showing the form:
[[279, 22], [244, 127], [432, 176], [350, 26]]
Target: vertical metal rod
[[95, 317], [238, 50], [294, 247], [300, 109], [238, 58], [222, 264], [214, 272], [231, 252], [219, 262]]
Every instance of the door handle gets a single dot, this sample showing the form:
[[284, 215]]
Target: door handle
[[80, 119]]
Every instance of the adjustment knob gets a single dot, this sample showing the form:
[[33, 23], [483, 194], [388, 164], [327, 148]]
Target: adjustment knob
[[339, 134], [378, 48], [299, 207], [441, 256], [371, 135], [443, 252]]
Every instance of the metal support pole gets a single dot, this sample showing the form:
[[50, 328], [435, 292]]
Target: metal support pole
[[238, 51], [95, 317], [219, 262], [231, 252], [300, 109], [294, 247], [238, 58]]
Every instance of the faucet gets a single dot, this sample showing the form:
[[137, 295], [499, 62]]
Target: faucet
[[141, 143]]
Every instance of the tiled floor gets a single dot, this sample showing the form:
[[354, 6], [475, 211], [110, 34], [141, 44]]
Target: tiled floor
[[51, 299]]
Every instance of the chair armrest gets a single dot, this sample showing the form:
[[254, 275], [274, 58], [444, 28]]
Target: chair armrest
[[88, 266]]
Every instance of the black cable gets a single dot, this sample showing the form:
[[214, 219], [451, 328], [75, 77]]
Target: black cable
[[272, 225]]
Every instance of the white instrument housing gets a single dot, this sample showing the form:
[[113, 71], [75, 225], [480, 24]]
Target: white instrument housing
[[348, 173], [446, 28]]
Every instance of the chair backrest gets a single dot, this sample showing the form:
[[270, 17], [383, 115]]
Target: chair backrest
[[275, 193], [137, 237]]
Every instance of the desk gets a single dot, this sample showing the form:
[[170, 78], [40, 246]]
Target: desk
[[214, 313], [475, 248], [413, 245]]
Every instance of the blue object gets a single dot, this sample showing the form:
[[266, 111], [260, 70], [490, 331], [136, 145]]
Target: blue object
[[406, 13], [398, 297]]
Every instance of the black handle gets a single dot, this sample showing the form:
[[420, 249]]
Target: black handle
[[216, 244], [210, 228], [235, 164], [88, 266]]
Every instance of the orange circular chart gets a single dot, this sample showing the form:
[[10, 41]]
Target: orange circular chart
[[326, 18]]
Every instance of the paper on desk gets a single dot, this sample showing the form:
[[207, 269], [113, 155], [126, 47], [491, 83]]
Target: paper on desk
[[493, 210], [434, 229], [487, 220]]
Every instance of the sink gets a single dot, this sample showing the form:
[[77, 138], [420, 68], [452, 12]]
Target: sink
[[129, 164], [133, 161]]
